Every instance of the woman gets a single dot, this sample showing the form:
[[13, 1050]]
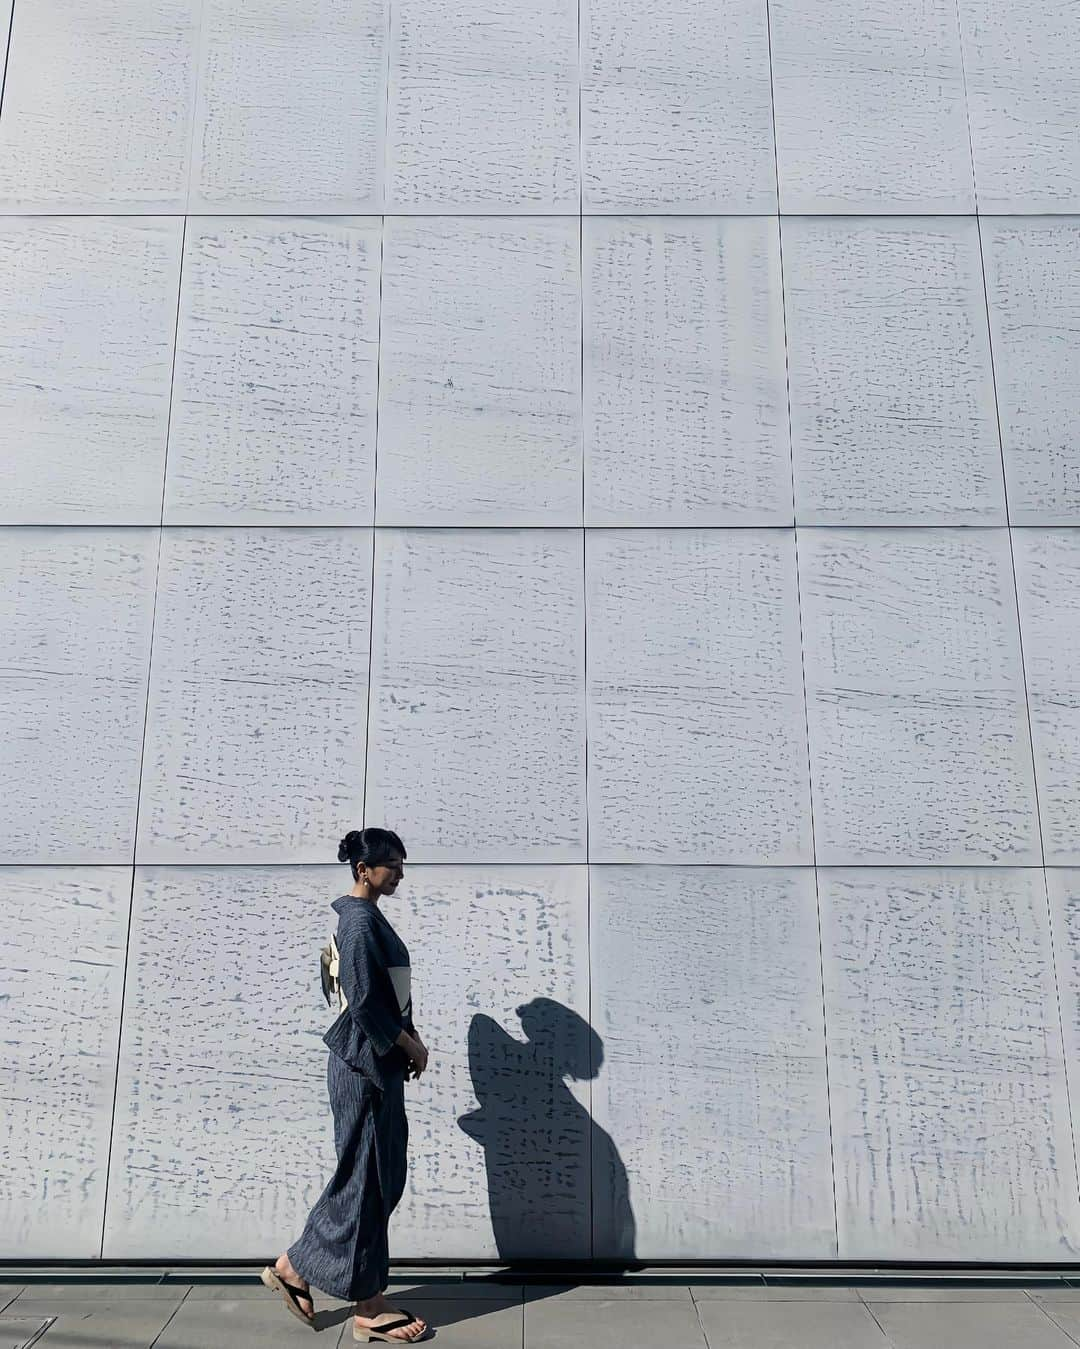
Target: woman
[[374, 1047]]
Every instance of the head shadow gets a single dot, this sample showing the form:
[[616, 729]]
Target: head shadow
[[542, 1150]]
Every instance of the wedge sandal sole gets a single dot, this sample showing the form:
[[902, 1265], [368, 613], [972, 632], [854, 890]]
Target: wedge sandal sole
[[288, 1292], [389, 1321]]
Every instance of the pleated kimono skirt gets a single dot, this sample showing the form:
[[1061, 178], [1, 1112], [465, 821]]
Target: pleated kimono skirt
[[343, 1248]]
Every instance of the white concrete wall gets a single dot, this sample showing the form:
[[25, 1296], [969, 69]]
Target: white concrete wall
[[417, 411]]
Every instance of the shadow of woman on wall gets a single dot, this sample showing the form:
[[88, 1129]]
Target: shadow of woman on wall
[[543, 1152]]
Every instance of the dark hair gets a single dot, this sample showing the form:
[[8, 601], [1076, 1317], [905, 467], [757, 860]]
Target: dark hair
[[372, 847]]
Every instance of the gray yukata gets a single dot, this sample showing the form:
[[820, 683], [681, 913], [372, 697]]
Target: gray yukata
[[343, 1247]]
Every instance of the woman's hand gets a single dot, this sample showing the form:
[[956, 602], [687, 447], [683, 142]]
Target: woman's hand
[[418, 1057]]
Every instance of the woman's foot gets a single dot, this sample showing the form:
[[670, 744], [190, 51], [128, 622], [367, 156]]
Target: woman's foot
[[283, 1267], [367, 1311]]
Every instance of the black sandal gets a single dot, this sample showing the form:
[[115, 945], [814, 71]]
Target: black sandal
[[387, 1321], [290, 1293]]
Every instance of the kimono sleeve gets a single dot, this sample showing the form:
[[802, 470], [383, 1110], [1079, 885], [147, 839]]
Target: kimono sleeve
[[359, 971]]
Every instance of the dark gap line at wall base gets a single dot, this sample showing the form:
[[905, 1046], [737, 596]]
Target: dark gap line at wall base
[[375, 212], [493, 527], [983, 1274], [541, 864]]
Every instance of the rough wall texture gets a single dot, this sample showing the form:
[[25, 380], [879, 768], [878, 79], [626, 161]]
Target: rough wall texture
[[607, 444]]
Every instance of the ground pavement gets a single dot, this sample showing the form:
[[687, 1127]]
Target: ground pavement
[[658, 1309]]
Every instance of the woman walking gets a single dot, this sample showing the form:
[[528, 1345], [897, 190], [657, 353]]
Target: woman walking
[[374, 1047]]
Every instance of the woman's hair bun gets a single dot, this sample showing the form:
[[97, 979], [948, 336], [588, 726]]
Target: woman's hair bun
[[372, 847], [350, 846]]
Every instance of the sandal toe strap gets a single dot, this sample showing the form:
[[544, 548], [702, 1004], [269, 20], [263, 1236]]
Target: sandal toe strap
[[397, 1320], [295, 1292]]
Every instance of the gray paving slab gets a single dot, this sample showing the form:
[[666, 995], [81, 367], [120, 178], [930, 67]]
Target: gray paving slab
[[766, 1293], [104, 1292], [1064, 1314], [242, 1324], [125, 1324], [21, 1332], [969, 1325], [229, 1292], [486, 1324], [790, 1325], [595, 1292], [450, 1289], [254, 1292], [464, 1290], [928, 1293], [612, 1324], [59, 1306], [491, 1315]]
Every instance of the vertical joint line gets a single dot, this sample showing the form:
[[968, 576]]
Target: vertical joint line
[[7, 57], [585, 631], [142, 744], [1012, 551], [802, 642], [172, 373], [772, 107], [374, 501], [967, 108]]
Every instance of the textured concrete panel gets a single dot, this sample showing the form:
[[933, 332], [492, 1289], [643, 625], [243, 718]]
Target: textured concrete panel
[[892, 394], [483, 107], [870, 113], [97, 106], [62, 953], [499, 1125], [1022, 92], [1063, 893], [947, 1084], [480, 381], [87, 317], [686, 416], [676, 109], [697, 725], [477, 735], [919, 741], [291, 106], [257, 709], [274, 402], [76, 609], [1048, 588], [706, 994], [1033, 291], [223, 1138]]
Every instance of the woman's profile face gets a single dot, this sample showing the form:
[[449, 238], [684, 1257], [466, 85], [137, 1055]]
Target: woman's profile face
[[384, 879]]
